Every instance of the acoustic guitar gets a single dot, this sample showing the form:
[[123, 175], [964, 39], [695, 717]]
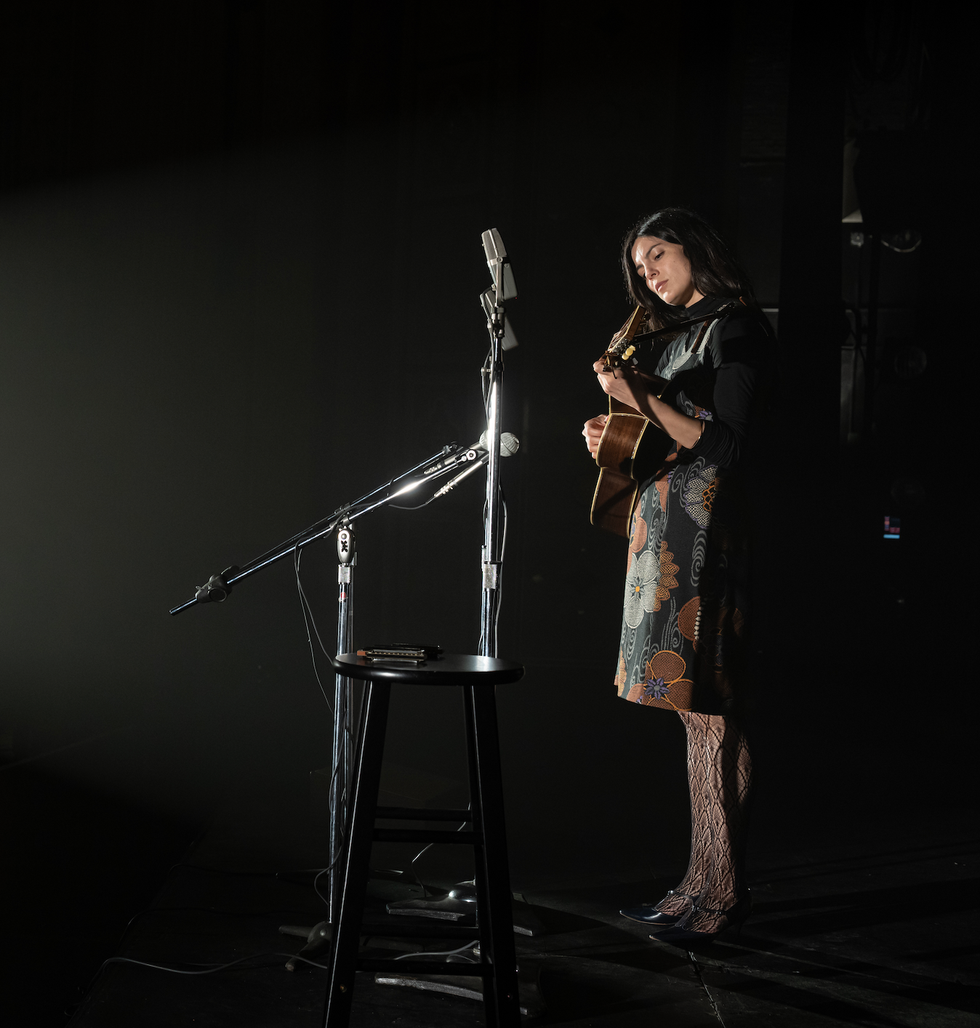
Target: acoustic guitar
[[619, 481], [620, 468]]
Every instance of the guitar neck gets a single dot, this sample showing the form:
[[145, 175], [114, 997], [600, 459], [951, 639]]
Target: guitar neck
[[629, 345]]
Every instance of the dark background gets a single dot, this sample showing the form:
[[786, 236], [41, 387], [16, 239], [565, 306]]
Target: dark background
[[240, 264]]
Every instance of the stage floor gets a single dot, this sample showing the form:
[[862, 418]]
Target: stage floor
[[871, 925]]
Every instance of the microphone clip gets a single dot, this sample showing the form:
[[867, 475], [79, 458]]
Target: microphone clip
[[216, 588]]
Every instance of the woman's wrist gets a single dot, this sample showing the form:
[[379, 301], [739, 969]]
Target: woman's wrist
[[685, 431]]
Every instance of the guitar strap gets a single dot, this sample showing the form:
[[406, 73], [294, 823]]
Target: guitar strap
[[708, 317], [705, 322], [697, 342]]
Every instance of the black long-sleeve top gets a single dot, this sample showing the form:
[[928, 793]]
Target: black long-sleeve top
[[726, 383]]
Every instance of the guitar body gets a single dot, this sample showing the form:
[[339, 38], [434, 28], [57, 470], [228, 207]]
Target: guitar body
[[615, 492], [622, 467]]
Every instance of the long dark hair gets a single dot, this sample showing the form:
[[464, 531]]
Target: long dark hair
[[714, 270]]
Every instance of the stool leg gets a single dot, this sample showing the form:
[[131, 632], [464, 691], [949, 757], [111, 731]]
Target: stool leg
[[360, 834], [500, 995]]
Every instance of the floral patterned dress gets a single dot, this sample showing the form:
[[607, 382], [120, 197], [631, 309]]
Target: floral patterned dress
[[683, 641]]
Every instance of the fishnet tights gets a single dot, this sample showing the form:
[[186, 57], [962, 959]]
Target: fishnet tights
[[719, 770]]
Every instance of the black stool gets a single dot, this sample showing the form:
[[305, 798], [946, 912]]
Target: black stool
[[498, 963]]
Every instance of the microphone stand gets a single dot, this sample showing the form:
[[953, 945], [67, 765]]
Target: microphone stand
[[219, 587], [503, 289], [460, 902]]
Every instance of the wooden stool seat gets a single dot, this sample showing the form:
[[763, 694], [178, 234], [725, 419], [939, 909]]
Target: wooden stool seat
[[476, 676]]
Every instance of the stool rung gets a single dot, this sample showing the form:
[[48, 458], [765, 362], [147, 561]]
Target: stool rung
[[432, 928], [422, 814], [433, 967], [424, 835]]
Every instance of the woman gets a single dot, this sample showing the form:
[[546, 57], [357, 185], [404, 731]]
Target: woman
[[683, 643]]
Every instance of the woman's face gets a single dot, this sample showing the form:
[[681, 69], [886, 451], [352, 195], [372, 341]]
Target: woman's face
[[666, 271]]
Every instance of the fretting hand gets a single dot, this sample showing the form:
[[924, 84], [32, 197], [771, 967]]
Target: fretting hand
[[623, 384]]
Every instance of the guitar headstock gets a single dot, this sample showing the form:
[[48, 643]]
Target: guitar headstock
[[621, 349]]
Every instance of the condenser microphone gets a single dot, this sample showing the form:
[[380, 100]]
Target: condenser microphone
[[496, 254]]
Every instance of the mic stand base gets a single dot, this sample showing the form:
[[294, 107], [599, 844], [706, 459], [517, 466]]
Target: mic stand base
[[319, 939], [459, 906]]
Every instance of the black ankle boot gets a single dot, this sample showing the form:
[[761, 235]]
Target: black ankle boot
[[733, 917], [648, 913]]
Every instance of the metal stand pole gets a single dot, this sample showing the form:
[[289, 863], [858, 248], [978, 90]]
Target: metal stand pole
[[340, 773], [503, 289]]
